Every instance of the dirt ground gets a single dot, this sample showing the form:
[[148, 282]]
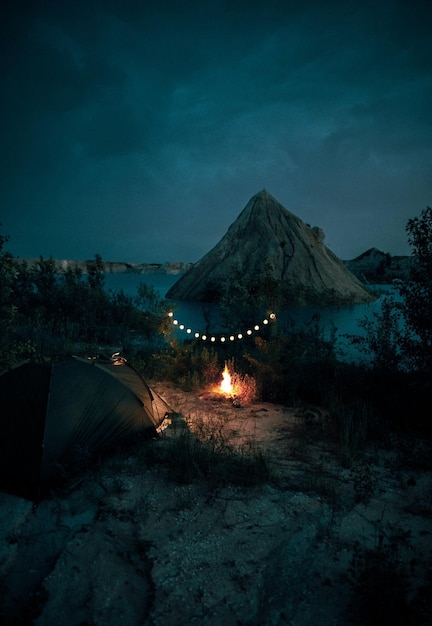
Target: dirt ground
[[125, 545]]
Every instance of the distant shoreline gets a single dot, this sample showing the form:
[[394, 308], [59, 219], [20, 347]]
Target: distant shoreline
[[117, 267], [371, 267]]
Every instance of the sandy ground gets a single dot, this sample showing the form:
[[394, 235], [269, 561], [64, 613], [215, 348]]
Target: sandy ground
[[125, 545]]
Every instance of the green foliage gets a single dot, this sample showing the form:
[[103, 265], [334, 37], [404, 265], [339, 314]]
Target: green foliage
[[364, 481], [417, 292], [381, 580], [383, 337], [242, 297], [45, 313], [400, 335], [292, 366], [155, 310], [9, 347], [352, 421], [239, 304], [398, 342], [244, 387], [189, 364], [96, 273], [210, 458]]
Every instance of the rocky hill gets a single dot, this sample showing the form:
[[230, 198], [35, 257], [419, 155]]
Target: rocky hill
[[267, 238], [376, 267]]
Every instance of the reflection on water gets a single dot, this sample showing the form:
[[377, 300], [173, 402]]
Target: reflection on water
[[204, 318]]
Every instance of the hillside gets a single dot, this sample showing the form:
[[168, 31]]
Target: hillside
[[267, 241], [376, 267]]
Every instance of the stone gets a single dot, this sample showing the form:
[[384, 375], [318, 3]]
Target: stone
[[267, 240]]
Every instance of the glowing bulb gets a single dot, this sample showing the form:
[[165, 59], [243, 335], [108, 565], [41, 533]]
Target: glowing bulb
[[240, 336], [256, 327], [204, 337], [232, 337], [175, 321], [196, 335], [265, 321], [222, 339], [170, 314], [272, 316], [181, 326], [213, 339], [188, 330], [249, 332]]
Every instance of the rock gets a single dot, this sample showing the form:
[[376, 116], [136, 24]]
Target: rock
[[266, 240], [376, 267]]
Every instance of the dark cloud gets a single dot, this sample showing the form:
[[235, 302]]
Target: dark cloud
[[140, 131]]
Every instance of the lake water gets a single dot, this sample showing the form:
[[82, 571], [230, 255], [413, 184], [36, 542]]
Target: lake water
[[191, 314]]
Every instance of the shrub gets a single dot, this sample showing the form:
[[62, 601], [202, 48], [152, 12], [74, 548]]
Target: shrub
[[417, 292], [188, 364], [380, 577], [210, 458]]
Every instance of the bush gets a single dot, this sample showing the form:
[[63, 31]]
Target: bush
[[417, 293], [188, 364], [382, 580], [381, 586], [210, 458], [295, 366]]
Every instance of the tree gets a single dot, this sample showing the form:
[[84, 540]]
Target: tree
[[383, 337], [96, 273], [73, 303], [154, 316], [417, 292], [7, 308], [399, 337], [97, 299]]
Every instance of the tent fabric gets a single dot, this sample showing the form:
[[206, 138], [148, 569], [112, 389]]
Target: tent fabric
[[53, 413]]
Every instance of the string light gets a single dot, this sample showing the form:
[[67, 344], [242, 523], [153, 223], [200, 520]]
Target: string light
[[224, 338]]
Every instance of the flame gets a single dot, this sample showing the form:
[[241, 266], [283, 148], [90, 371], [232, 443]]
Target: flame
[[226, 386]]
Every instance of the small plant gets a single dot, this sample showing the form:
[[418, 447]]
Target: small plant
[[382, 338], [206, 455], [351, 422], [364, 480], [325, 487], [188, 364], [382, 579], [244, 386]]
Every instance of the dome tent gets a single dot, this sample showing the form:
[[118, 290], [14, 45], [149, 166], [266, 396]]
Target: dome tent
[[52, 413]]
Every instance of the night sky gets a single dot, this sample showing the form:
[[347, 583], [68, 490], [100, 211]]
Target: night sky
[[140, 130]]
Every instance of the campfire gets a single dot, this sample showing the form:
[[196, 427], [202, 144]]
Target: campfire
[[234, 386], [226, 384], [240, 389]]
